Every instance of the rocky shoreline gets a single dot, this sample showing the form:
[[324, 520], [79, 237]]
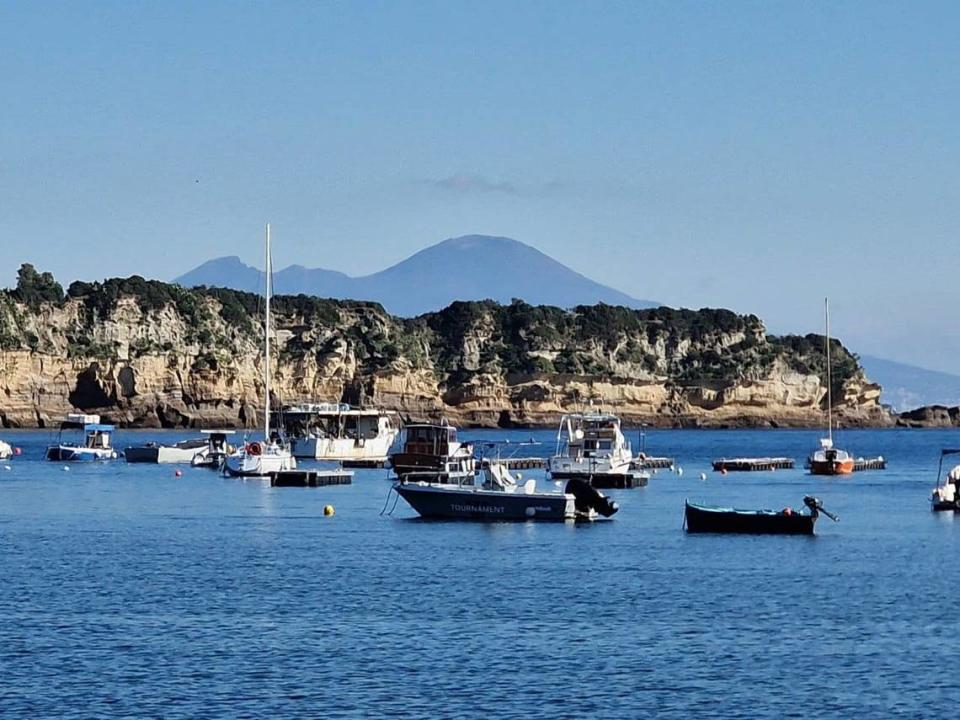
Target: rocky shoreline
[[148, 354]]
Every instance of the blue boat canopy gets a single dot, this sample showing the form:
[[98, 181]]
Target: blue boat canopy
[[86, 427], [98, 428]]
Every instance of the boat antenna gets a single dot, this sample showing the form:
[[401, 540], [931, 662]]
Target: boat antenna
[[266, 334], [826, 315]]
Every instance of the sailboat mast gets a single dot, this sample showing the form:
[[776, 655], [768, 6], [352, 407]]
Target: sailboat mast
[[826, 314], [266, 334]]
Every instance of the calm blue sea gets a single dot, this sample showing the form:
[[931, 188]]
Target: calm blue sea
[[126, 591]]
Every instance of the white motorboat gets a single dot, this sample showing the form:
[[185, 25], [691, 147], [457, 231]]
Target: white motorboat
[[946, 495], [434, 450], [195, 451], [261, 459], [217, 449], [6, 450], [340, 433], [590, 445], [95, 445], [501, 497]]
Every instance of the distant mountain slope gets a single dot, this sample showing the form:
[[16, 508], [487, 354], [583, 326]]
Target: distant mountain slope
[[473, 267], [906, 387]]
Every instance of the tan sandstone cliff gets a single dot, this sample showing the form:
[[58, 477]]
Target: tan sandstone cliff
[[148, 354]]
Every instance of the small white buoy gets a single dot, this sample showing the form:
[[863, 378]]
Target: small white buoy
[[680, 471], [7, 467], [703, 476], [66, 468]]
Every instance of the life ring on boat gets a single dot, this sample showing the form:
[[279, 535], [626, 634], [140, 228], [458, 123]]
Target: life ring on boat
[[254, 448]]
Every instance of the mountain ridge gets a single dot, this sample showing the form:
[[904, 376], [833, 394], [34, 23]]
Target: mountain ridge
[[464, 268]]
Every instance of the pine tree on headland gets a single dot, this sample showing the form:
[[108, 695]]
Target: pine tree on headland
[[34, 288]]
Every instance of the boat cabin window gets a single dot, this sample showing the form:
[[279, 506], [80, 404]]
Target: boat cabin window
[[98, 440]]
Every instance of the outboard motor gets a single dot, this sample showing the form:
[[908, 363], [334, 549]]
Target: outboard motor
[[589, 498], [816, 506]]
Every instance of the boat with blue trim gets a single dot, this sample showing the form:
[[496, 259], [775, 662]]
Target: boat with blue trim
[[96, 440]]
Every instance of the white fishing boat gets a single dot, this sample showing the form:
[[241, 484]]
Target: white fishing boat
[[95, 445], [434, 450], [6, 450], [340, 433], [262, 458], [946, 495], [501, 497], [195, 451], [590, 445]]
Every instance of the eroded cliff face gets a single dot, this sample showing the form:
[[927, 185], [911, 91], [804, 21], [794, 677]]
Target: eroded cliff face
[[152, 355]]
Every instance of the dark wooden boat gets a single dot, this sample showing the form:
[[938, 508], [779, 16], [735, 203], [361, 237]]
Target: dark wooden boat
[[707, 519]]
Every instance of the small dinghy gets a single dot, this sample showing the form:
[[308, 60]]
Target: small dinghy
[[707, 519], [501, 497], [946, 495]]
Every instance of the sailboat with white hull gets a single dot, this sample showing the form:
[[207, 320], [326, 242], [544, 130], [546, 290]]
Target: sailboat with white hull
[[828, 460], [261, 459]]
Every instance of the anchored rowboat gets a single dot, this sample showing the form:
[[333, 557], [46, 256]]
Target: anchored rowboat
[[707, 519]]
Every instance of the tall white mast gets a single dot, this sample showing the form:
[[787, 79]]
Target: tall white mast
[[826, 314], [266, 360]]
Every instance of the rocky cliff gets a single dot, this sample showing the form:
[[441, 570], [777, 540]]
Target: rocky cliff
[[145, 353], [930, 416]]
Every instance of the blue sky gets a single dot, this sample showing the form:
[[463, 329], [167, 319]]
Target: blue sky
[[749, 155]]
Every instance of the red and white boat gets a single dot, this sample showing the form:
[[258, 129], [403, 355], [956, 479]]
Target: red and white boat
[[828, 460]]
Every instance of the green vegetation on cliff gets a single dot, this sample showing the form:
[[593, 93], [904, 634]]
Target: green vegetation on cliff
[[467, 340]]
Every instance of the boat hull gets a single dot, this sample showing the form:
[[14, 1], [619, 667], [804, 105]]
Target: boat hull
[[700, 519], [606, 481], [164, 454], [451, 503], [831, 467], [363, 450], [65, 453], [244, 465]]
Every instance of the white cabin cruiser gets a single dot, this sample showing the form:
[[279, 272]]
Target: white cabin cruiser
[[261, 459], [195, 451], [590, 445], [96, 441], [340, 433], [500, 498], [434, 450]]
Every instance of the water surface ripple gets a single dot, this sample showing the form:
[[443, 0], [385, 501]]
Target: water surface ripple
[[129, 592]]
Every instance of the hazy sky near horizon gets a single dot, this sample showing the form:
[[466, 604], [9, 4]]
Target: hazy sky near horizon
[[751, 155]]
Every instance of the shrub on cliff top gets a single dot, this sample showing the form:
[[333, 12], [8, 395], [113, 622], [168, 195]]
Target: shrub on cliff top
[[34, 288]]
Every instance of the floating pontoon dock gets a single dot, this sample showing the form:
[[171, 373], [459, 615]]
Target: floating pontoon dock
[[765, 464], [310, 478]]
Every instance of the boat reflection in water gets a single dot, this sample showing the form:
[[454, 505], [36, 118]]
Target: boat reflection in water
[[707, 519], [501, 497]]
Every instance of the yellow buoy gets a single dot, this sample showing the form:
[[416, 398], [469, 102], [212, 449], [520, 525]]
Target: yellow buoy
[[328, 510]]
